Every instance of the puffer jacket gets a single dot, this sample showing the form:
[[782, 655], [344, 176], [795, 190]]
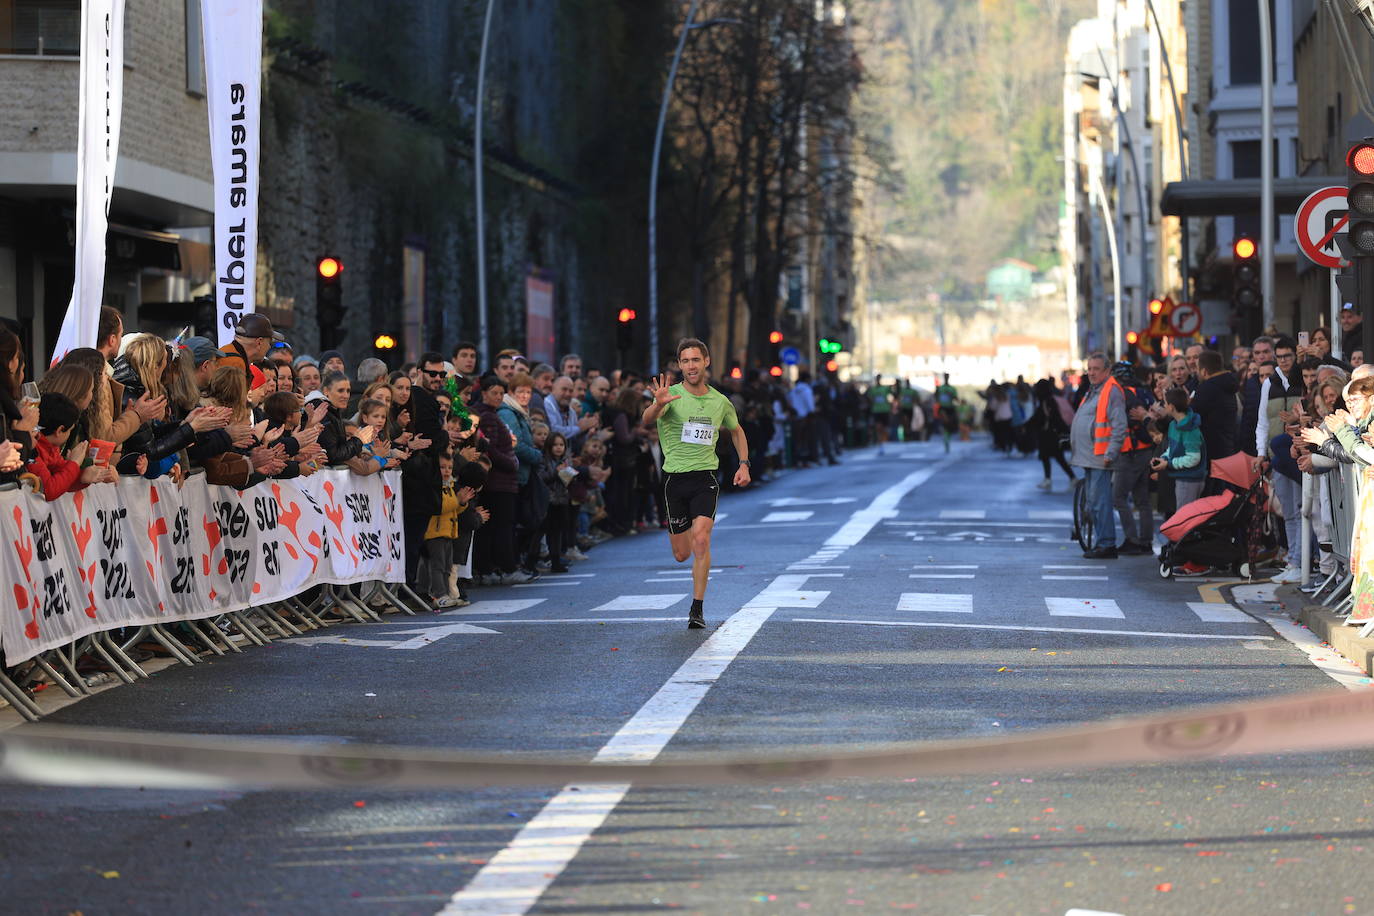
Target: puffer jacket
[[339, 447], [1186, 453]]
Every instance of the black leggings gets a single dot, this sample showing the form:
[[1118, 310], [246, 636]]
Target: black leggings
[[1058, 456], [496, 539], [555, 526]]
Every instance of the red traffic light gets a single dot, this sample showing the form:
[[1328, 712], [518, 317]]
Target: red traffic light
[[1156, 306], [329, 268], [625, 316], [776, 371], [1361, 159], [736, 373], [775, 337], [831, 366], [1132, 337], [1244, 249]]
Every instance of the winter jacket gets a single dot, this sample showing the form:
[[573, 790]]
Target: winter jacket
[[504, 476], [1215, 403], [558, 490], [23, 442], [1081, 439], [526, 453], [1249, 412], [339, 447], [1186, 449], [57, 474], [445, 523], [160, 442]]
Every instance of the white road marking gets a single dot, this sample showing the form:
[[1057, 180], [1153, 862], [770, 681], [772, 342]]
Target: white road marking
[[515, 878], [1047, 514], [935, 603], [1083, 607], [543, 620], [814, 566], [798, 516], [337, 641], [542, 582], [997, 523], [1075, 578], [1262, 593], [884, 506], [964, 513], [641, 602], [570, 575], [1324, 658], [770, 525], [944, 566], [794, 501], [942, 576], [506, 606], [1076, 566], [670, 579], [1019, 629], [426, 636], [1209, 612]]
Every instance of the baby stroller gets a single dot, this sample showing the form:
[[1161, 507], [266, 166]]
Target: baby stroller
[[1221, 531]]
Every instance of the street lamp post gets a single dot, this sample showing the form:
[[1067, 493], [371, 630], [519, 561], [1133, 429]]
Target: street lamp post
[[1185, 263], [688, 26], [1266, 164], [653, 186], [483, 333]]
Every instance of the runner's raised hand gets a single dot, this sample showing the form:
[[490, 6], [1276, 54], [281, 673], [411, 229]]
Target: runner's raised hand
[[661, 389]]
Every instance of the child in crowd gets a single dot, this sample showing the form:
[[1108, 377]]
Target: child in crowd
[[556, 471], [437, 558], [1184, 459], [57, 415]]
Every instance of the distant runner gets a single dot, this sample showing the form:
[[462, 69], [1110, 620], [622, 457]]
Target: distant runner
[[689, 416], [947, 409]]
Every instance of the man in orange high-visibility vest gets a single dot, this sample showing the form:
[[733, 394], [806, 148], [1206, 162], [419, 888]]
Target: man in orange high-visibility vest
[[1099, 428]]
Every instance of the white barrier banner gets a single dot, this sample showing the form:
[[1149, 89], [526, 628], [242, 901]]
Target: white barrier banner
[[97, 147], [232, 31], [139, 552]]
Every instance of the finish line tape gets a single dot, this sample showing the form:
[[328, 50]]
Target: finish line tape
[[75, 756]]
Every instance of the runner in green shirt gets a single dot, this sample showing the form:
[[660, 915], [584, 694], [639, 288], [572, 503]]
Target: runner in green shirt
[[880, 399], [690, 415], [946, 409]]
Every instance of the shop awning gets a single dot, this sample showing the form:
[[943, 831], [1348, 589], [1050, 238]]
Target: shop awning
[[1236, 196]]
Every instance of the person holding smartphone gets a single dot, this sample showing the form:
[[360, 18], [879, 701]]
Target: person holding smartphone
[[19, 415]]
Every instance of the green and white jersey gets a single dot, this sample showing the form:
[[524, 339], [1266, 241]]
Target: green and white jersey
[[688, 427]]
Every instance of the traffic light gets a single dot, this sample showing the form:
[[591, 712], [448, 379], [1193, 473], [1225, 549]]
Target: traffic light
[[1359, 237], [1245, 275], [329, 311], [775, 352], [624, 330]]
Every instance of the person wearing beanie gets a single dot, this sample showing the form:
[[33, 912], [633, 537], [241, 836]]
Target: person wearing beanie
[[332, 360]]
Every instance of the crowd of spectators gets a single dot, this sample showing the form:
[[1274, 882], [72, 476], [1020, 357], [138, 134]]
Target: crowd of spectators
[[507, 471], [1145, 434]]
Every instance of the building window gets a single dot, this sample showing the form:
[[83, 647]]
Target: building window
[[1244, 45], [40, 27], [195, 51]]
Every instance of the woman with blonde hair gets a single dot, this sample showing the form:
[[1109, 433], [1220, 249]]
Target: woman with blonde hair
[[141, 370]]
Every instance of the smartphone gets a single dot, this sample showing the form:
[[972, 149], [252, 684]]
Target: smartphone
[[1303, 338]]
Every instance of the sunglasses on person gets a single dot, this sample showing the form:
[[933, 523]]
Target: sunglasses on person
[[433, 373]]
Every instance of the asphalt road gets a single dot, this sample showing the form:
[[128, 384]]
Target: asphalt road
[[994, 608]]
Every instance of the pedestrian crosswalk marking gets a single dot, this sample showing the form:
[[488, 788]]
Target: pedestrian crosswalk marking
[[1076, 566], [935, 603], [508, 606], [1218, 613], [570, 576], [1017, 628], [1064, 515], [944, 566], [641, 602], [544, 582], [1075, 578], [963, 513], [1083, 607], [941, 576], [800, 515]]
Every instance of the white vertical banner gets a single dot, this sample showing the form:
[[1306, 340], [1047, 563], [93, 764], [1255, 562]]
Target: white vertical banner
[[97, 147], [232, 32]]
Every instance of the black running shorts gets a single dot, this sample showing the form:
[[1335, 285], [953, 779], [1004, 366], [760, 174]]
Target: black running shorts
[[689, 495]]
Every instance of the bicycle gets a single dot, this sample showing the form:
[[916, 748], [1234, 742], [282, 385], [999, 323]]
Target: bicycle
[[1083, 531]]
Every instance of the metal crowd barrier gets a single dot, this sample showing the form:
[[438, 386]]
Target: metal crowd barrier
[[255, 626], [1342, 486]]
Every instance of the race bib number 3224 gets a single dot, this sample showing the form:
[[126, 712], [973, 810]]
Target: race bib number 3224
[[699, 431]]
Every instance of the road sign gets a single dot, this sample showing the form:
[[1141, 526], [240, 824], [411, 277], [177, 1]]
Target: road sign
[[1320, 219], [1186, 319], [790, 356]]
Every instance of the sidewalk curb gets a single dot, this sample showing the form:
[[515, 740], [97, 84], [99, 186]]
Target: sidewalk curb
[[1329, 627]]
